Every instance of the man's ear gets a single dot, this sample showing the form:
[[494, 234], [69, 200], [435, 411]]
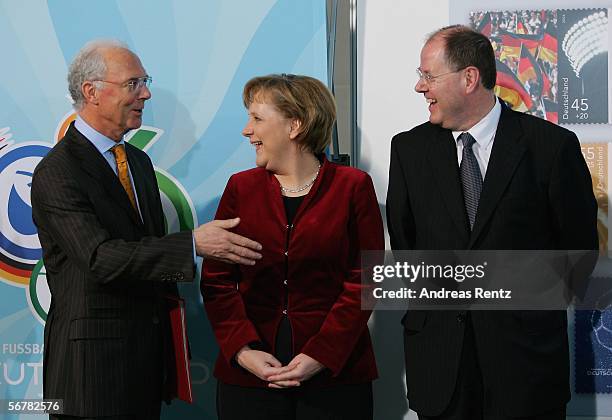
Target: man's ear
[[296, 128], [471, 78], [90, 92]]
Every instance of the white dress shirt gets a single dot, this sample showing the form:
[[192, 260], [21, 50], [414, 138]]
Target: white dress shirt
[[484, 134]]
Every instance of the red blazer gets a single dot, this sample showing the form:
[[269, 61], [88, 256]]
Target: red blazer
[[337, 219]]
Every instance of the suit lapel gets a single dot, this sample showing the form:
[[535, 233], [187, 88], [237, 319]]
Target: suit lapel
[[97, 167], [442, 156], [506, 154], [144, 187]]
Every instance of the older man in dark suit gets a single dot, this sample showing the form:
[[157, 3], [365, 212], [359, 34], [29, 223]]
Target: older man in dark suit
[[95, 200], [481, 176]]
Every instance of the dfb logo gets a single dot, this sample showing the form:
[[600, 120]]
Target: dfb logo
[[20, 249]]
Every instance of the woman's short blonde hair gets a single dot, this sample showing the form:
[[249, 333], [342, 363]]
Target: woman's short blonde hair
[[301, 97]]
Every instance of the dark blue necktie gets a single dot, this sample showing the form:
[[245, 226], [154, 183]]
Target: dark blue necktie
[[471, 178]]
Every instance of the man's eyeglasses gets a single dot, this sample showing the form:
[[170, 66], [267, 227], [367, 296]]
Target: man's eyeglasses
[[134, 84], [428, 77]]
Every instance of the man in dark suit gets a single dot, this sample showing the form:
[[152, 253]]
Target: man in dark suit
[[514, 182], [108, 349]]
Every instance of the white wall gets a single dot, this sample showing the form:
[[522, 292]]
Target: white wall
[[390, 36]]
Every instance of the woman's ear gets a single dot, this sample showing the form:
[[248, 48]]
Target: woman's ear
[[296, 128]]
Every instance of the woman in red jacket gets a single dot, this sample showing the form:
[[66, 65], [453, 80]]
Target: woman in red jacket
[[294, 340]]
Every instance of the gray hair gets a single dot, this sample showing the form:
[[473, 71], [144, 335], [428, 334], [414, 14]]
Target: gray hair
[[89, 65]]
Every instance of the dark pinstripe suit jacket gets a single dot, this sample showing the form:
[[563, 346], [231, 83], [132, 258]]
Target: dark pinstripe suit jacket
[[107, 334], [536, 194]]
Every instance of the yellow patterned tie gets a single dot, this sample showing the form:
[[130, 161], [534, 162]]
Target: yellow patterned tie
[[122, 172]]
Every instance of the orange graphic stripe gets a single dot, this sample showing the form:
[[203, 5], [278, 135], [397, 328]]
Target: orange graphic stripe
[[64, 127], [15, 279]]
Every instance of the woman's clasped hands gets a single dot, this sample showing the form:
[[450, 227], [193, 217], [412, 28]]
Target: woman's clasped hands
[[268, 368]]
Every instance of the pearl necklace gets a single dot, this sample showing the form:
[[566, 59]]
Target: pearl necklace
[[303, 187]]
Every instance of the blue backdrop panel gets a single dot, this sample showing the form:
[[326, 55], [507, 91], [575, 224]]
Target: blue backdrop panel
[[200, 54]]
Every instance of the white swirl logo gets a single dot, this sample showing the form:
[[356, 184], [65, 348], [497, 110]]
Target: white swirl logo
[[20, 248]]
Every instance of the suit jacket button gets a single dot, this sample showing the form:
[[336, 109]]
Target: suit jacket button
[[461, 318]]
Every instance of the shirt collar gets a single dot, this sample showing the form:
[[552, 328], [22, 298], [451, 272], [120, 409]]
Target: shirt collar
[[99, 140], [484, 130]]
